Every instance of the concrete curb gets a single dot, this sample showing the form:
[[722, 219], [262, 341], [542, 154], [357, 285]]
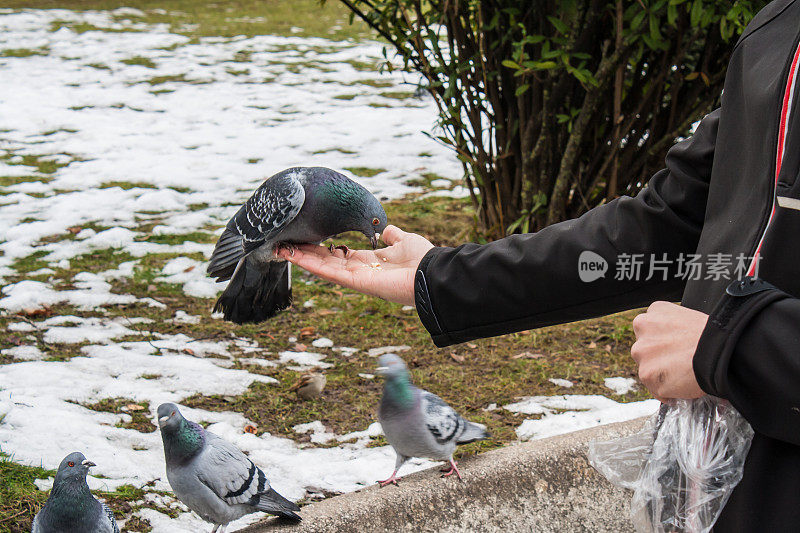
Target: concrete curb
[[544, 486]]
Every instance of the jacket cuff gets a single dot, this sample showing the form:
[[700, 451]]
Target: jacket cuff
[[742, 301], [422, 299]]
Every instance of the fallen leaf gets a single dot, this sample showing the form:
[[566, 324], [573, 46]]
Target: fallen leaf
[[527, 355], [134, 407], [74, 230], [300, 347], [607, 347], [592, 345], [457, 358], [189, 269], [250, 428], [151, 288], [189, 351], [471, 346], [338, 293], [308, 331], [36, 312], [325, 312], [409, 329]]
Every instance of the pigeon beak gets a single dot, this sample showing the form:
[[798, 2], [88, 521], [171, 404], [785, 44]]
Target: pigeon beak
[[88, 463], [382, 369], [162, 421], [374, 240]]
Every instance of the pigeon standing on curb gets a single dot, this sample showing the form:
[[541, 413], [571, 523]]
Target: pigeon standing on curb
[[212, 476], [71, 508], [418, 423], [296, 206]]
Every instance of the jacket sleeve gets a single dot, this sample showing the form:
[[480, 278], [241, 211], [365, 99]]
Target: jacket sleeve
[[532, 280], [747, 355]]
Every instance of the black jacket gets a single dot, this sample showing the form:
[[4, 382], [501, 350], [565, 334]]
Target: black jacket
[[715, 196]]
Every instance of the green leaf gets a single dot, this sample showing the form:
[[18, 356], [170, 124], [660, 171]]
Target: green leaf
[[511, 64], [696, 13], [559, 25], [521, 89], [544, 65]]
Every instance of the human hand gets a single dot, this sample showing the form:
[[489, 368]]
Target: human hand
[[387, 273], [666, 340]]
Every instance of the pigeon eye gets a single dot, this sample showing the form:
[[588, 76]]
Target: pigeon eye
[[70, 463], [375, 221], [172, 413]]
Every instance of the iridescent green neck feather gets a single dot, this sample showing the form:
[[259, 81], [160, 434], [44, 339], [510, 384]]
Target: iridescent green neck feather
[[184, 441], [398, 390]]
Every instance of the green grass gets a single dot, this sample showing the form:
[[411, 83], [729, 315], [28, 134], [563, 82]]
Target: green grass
[[221, 18], [24, 52], [365, 172], [138, 411], [19, 497], [139, 60], [127, 185]]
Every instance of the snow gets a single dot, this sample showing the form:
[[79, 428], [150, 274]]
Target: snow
[[375, 352], [24, 353], [561, 382], [322, 342], [210, 139], [183, 154], [620, 385], [304, 360], [192, 275], [567, 413]]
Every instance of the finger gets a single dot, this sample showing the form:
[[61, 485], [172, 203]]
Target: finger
[[638, 324], [392, 234]]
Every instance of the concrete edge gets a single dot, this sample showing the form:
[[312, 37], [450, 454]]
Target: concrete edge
[[543, 485]]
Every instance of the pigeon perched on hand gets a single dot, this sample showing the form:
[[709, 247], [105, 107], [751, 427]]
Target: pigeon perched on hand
[[418, 423], [71, 508], [296, 206], [212, 476]]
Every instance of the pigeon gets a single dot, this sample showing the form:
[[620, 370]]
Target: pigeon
[[71, 508], [212, 476], [296, 206], [418, 423], [309, 385]]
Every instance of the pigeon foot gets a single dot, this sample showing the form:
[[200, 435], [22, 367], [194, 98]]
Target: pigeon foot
[[393, 479], [289, 246], [453, 470], [341, 247]]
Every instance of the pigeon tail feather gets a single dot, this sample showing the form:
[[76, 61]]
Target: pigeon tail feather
[[227, 254], [256, 292], [472, 433], [273, 503]]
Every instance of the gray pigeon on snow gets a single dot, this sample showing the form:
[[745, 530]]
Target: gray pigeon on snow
[[296, 206], [212, 476], [418, 423], [71, 508]]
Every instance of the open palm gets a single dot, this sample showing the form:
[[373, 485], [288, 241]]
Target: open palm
[[387, 273]]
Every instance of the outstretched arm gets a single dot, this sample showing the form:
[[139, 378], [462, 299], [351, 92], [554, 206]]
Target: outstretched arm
[[527, 281]]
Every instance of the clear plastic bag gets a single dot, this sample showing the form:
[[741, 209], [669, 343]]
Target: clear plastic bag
[[682, 466]]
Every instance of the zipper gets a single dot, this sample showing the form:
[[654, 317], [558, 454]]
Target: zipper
[[785, 112]]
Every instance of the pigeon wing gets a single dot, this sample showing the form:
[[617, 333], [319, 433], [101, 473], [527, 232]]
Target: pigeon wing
[[441, 420], [230, 473], [262, 217], [270, 209], [109, 514]]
